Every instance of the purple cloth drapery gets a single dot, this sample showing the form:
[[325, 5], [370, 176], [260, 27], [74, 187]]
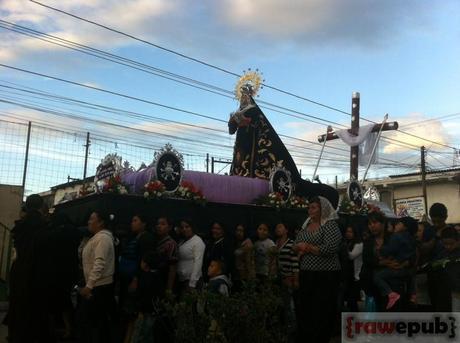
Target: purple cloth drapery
[[215, 187]]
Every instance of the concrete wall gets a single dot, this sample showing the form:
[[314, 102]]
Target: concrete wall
[[10, 204], [66, 193], [446, 192]]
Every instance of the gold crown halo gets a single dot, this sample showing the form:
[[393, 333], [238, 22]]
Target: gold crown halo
[[250, 83]]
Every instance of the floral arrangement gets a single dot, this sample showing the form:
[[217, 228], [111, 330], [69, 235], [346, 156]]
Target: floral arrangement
[[115, 185], [188, 191], [275, 199], [297, 202], [370, 208], [154, 190], [349, 207]]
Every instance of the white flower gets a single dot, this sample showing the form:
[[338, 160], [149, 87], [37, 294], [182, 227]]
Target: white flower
[[272, 201], [146, 194]]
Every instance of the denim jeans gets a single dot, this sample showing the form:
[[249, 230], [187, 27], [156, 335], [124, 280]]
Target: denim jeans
[[383, 277]]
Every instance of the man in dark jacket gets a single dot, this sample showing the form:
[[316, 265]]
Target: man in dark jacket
[[451, 264], [22, 301]]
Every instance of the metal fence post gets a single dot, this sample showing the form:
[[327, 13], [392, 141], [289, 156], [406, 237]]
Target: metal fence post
[[26, 160], [85, 168]]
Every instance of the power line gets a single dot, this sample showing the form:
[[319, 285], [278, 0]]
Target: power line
[[136, 98], [50, 111], [412, 135], [418, 123], [110, 92], [117, 111], [161, 73], [132, 98], [212, 65], [150, 69]]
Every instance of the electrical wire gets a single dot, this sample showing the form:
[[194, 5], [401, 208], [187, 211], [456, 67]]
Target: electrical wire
[[214, 66]]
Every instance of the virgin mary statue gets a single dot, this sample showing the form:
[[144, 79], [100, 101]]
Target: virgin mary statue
[[258, 148]]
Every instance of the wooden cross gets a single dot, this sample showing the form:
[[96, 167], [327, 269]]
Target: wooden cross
[[354, 151]]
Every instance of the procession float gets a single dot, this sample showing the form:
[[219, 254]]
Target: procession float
[[264, 183]]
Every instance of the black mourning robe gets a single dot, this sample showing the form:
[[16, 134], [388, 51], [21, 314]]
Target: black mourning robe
[[258, 149]]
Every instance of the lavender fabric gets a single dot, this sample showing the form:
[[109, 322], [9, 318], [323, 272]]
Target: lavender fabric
[[228, 189], [215, 187], [136, 180]]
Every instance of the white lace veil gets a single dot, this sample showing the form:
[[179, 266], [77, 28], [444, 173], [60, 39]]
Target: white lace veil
[[327, 212]]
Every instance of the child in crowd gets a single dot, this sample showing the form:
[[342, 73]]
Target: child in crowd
[[244, 268], [288, 261], [352, 262], [433, 251], [265, 252], [288, 274], [218, 283], [450, 238], [401, 247], [148, 293]]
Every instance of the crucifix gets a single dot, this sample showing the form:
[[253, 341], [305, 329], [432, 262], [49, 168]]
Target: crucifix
[[355, 131]]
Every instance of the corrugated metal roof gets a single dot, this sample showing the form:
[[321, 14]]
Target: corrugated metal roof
[[436, 171]]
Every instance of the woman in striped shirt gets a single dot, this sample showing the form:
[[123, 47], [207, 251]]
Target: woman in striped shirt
[[288, 274], [318, 246]]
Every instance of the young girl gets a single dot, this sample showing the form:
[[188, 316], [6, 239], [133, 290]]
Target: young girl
[[148, 293], [288, 274], [244, 268], [354, 256], [265, 252]]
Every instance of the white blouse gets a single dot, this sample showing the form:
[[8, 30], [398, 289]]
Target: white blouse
[[190, 260], [356, 254]]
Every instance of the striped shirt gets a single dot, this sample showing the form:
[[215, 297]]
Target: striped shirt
[[288, 262], [328, 239]]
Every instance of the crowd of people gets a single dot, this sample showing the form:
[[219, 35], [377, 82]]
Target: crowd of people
[[320, 268]]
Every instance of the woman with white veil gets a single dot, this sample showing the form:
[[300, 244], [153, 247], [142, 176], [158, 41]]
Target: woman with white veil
[[318, 244]]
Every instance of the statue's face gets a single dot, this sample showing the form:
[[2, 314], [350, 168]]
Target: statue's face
[[245, 100], [238, 156]]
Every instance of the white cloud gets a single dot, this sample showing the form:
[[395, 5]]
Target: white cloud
[[217, 28], [434, 131], [356, 22], [136, 17]]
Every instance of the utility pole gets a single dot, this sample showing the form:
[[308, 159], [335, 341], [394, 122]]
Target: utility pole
[[423, 171], [207, 163], [354, 151], [86, 155], [26, 160]]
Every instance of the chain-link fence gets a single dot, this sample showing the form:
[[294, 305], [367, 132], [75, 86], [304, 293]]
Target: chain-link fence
[[58, 156]]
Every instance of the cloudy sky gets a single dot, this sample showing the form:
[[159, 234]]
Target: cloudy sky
[[402, 56]]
